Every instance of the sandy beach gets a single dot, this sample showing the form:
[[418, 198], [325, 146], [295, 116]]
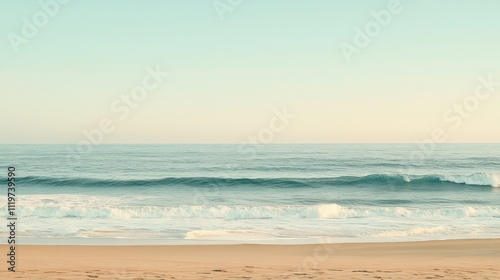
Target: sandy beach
[[451, 259]]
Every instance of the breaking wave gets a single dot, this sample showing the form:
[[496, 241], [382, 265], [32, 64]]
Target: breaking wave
[[241, 212]]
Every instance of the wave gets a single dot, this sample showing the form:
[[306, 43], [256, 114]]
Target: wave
[[477, 179], [482, 179], [242, 212]]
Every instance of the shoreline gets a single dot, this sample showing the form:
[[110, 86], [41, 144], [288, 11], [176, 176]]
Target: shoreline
[[452, 259], [83, 241]]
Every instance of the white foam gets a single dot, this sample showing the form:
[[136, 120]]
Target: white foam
[[481, 179], [85, 208], [417, 231], [226, 234]]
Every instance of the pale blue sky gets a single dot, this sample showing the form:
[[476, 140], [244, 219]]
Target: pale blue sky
[[227, 76]]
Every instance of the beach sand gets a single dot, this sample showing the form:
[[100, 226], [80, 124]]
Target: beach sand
[[452, 259]]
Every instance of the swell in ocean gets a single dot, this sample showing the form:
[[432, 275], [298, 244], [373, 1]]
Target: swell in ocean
[[372, 180]]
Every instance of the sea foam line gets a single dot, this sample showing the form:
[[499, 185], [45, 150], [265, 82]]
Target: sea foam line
[[242, 212]]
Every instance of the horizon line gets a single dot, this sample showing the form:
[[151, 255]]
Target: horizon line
[[279, 143]]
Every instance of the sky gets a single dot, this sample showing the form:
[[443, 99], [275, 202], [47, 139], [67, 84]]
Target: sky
[[241, 71]]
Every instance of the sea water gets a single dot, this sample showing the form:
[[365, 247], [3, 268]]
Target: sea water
[[280, 193]]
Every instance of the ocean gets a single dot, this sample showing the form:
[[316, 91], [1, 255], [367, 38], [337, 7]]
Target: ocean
[[270, 194]]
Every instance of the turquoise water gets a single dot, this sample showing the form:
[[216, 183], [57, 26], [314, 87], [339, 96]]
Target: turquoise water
[[180, 194]]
